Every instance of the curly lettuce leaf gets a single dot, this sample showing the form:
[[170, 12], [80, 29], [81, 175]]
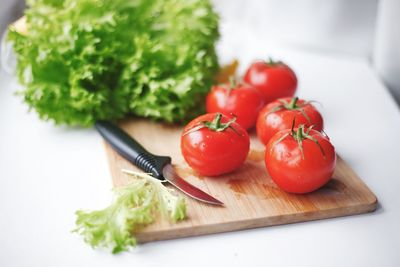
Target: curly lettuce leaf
[[84, 60], [134, 206]]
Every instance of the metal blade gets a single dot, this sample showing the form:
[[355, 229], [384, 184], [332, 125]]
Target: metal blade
[[173, 178]]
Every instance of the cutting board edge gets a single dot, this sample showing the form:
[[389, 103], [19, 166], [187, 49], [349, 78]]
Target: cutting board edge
[[253, 223]]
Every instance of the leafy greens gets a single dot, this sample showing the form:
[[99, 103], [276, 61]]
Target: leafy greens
[[84, 60], [134, 206]]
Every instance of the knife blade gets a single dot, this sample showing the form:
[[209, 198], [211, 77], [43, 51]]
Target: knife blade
[[159, 166], [173, 178]]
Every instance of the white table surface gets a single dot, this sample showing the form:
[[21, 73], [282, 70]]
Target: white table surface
[[48, 172]]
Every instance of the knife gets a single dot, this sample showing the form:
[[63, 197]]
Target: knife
[[159, 166]]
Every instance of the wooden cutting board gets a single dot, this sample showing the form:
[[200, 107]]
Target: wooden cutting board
[[250, 196]]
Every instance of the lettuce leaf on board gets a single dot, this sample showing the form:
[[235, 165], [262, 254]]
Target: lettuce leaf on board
[[135, 206], [84, 60]]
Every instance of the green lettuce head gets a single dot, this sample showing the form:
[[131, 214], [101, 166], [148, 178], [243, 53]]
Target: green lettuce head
[[84, 60]]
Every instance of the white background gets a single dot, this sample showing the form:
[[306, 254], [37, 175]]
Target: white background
[[48, 172]]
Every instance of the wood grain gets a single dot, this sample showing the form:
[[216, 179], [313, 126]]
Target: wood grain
[[251, 198]]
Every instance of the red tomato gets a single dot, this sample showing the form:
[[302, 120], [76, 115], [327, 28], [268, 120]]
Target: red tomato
[[214, 144], [299, 160], [243, 102], [273, 79], [279, 115]]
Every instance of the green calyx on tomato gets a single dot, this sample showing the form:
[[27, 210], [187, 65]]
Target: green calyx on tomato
[[232, 82], [299, 135], [232, 85], [271, 62], [292, 105], [215, 125]]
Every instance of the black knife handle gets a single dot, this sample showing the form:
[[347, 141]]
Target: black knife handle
[[131, 150]]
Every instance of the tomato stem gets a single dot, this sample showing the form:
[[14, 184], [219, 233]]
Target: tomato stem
[[232, 82], [271, 62], [292, 105], [302, 134], [214, 125], [217, 125], [299, 136]]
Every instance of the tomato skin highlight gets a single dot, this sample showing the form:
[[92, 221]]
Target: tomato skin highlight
[[274, 80], [213, 153], [297, 174], [269, 123], [243, 102]]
